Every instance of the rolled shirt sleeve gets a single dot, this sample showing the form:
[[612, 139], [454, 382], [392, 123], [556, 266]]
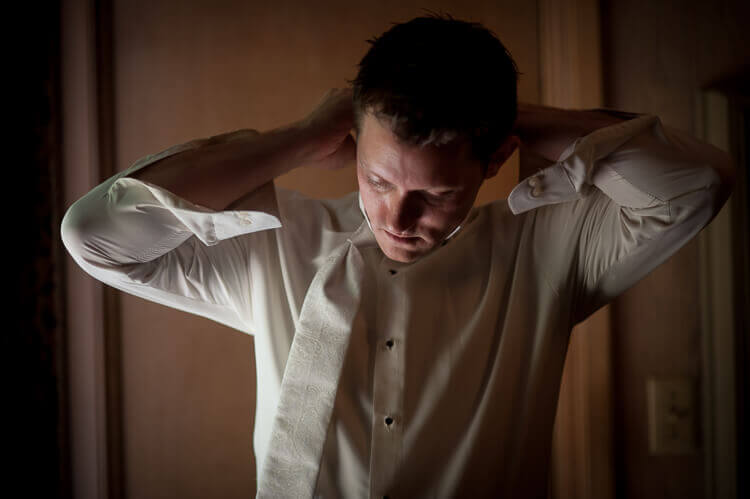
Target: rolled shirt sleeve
[[144, 240], [618, 203]]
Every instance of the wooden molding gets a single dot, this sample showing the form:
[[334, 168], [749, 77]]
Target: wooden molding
[[582, 462], [722, 259], [110, 375], [92, 308], [570, 53]]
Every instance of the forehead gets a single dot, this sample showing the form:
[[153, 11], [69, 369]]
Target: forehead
[[381, 153]]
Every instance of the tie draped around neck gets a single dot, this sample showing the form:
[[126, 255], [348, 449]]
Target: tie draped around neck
[[313, 369]]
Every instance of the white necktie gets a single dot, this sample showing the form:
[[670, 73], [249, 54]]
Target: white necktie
[[313, 369]]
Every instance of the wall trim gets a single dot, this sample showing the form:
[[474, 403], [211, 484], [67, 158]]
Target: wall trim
[[723, 274], [92, 309], [582, 461]]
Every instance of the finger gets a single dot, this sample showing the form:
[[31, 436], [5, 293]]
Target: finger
[[346, 154]]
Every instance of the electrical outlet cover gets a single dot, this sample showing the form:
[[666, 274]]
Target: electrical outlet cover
[[671, 415]]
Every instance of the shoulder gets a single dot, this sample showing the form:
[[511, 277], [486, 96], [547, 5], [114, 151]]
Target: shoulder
[[498, 216], [297, 209], [311, 228], [538, 231]]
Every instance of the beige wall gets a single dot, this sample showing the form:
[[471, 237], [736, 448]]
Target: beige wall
[[187, 69], [657, 54]]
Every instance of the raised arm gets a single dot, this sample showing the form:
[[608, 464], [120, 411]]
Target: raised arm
[[217, 171], [163, 229], [622, 196], [548, 131]]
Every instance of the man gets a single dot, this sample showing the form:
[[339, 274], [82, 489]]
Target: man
[[407, 343]]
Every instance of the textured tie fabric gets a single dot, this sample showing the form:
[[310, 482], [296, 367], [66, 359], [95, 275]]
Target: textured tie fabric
[[312, 372]]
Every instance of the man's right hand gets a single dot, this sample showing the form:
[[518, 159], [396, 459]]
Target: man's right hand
[[327, 130]]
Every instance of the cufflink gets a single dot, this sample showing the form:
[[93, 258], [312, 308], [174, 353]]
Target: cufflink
[[535, 184], [244, 219]]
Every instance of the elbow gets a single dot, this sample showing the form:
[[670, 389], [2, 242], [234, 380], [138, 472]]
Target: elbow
[[75, 235], [79, 235], [726, 170], [72, 230], [715, 195]]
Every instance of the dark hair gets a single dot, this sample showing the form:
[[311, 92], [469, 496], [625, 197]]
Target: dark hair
[[435, 79]]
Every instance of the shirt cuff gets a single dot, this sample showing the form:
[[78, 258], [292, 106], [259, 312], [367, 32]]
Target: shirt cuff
[[208, 225], [570, 177]]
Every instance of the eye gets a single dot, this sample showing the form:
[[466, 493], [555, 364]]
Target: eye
[[376, 183], [438, 197]]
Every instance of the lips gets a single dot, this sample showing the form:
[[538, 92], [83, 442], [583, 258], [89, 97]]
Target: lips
[[400, 239]]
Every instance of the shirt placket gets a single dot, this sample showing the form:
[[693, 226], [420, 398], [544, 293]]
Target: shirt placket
[[388, 381]]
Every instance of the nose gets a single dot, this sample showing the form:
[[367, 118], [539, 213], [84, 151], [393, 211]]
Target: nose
[[402, 214]]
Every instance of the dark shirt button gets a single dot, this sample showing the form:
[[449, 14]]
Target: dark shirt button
[[389, 343], [392, 271], [388, 420]]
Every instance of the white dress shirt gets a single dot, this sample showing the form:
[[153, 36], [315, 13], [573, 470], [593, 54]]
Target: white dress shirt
[[451, 369]]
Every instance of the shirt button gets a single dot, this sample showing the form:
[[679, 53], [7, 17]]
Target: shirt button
[[533, 181], [536, 191], [393, 272], [389, 344], [388, 420]]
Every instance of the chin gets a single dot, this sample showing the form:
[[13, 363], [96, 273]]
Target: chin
[[403, 255]]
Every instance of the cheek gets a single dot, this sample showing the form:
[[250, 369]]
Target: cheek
[[445, 218], [377, 211], [436, 221], [371, 202]]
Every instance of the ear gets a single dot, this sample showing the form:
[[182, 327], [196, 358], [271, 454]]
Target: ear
[[501, 155]]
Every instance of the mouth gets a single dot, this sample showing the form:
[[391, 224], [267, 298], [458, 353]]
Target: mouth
[[402, 239]]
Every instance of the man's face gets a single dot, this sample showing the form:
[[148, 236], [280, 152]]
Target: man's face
[[414, 197]]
